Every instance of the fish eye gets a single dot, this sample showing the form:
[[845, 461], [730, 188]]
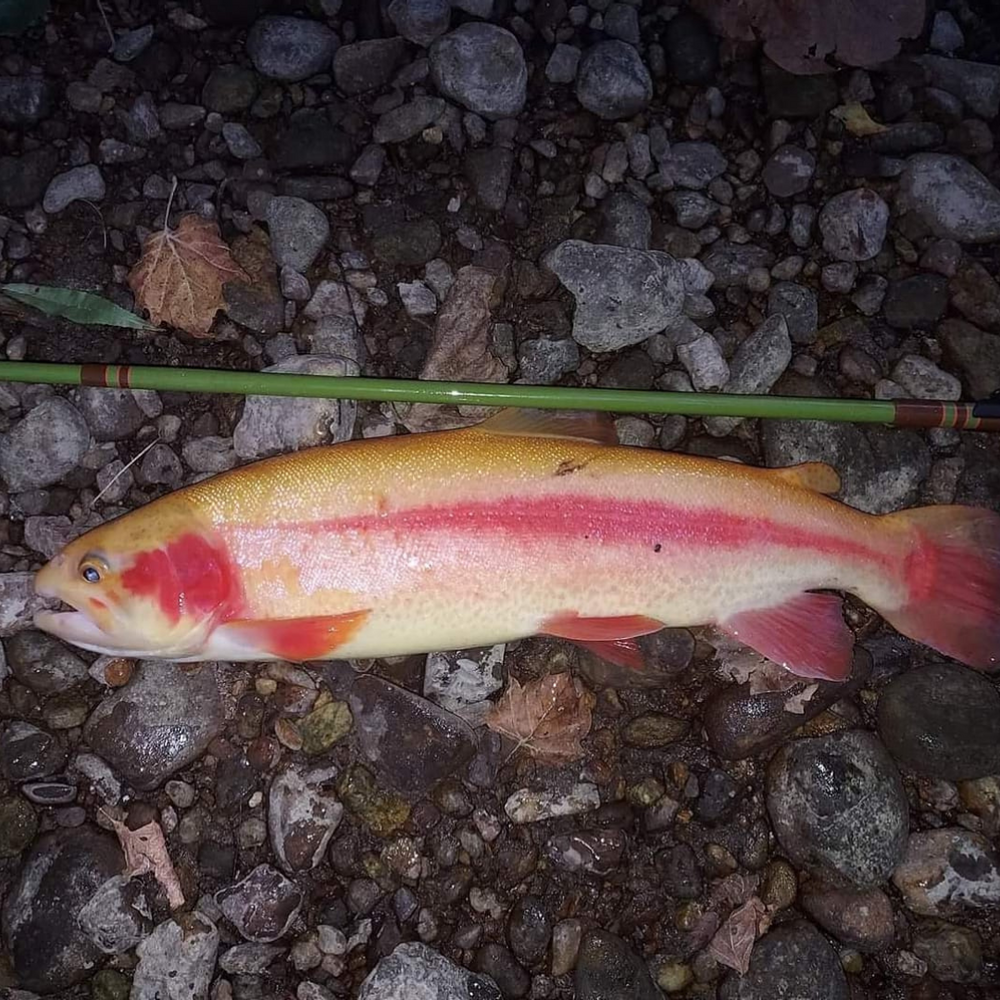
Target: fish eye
[[92, 568]]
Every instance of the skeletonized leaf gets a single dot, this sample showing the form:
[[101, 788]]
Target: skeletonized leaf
[[548, 717], [180, 275], [733, 942], [79, 307], [856, 119], [146, 851]]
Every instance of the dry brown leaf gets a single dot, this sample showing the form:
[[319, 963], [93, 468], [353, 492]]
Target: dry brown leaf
[[856, 119], [146, 851], [813, 36], [733, 942], [796, 704], [180, 275], [548, 717]]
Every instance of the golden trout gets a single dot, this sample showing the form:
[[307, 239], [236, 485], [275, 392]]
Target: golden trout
[[523, 525]]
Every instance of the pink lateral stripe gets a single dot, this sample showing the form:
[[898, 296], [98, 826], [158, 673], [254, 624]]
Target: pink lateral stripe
[[591, 518]]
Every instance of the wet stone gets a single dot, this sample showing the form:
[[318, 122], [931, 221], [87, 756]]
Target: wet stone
[[57, 879], [861, 918], [408, 120], [837, 803], [44, 664], [543, 361], [177, 960], [27, 752], [481, 66], [303, 815], [324, 726], [159, 723], [789, 171], [612, 81], [948, 872], [680, 871], [598, 852], [529, 930], [606, 967], [953, 954], [18, 826], [420, 21], [500, 966], [381, 810], [789, 962], [464, 680], [250, 958], [940, 720], [853, 225], [367, 65], [412, 743], [917, 302], [113, 916], [229, 89], [80, 183], [692, 48], [654, 729], [692, 164], [24, 101], [290, 48], [414, 969], [974, 353], [529, 806], [262, 906]]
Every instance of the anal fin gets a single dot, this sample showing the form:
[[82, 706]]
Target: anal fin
[[807, 635], [598, 428], [613, 639], [622, 652], [292, 639]]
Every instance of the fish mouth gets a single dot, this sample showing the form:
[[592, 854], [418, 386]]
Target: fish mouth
[[76, 627]]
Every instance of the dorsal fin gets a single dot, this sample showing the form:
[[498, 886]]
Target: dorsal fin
[[816, 476], [596, 427]]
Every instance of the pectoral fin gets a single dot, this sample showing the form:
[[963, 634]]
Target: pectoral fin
[[293, 639], [816, 476], [807, 635]]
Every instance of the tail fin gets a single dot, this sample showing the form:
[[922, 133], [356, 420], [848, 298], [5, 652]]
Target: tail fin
[[953, 578]]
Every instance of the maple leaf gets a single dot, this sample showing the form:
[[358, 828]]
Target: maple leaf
[[548, 717], [180, 275], [146, 851], [733, 942]]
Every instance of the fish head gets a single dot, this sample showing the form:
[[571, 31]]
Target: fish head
[[150, 584]]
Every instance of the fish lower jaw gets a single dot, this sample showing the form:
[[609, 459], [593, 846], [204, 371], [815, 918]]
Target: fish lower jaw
[[80, 630]]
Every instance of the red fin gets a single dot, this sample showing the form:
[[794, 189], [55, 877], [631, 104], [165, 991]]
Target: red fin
[[571, 626], [295, 639], [953, 576], [622, 652], [807, 635]]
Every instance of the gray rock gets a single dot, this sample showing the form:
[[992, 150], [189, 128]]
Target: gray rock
[[797, 304], [621, 21], [599, 852], [84, 183], [974, 353], [607, 967], [142, 122], [249, 958], [113, 917], [704, 362], [788, 963], [159, 723], [534, 806], [399, 241], [303, 813], [229, 89], [179, 117], [562, 64], [622, 295], [49, 950], [951, 198], [240, 142], [209, 454], [40, 449], [420, 21], [262, 906], [940, 720], [413, 969], [114, 151], [273, 424], [177, 960], [693, 164], [481, 66], [111, 414], [612, 81], [949, 872], [800, 224], [789, 171], [953, 954], [27, 752], [497, 963], [490, 170], [917, 302], [463, 681], [160, 466], [367, 65], [417, 298], [338, 336], [529, 930], [299, 231], [922, 379], [544, 361], [976, 84], [974, 292], [131, 44], [853, 224], [837, 804], [411, 742], [758, 363], [18, 602], [946, 35], [290, 48], [692, 209], [41, 662], [410, 119], [860, 918], [840, 277], [731, 263], [625, 222], [24, 101]]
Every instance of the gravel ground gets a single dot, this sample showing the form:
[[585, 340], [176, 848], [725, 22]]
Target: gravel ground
[[579, 194]]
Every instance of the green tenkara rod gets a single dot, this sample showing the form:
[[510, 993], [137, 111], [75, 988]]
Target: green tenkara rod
[[982, 416]]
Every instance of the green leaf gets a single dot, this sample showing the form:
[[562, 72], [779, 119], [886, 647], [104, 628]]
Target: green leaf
[[80, 307], [18, 15]]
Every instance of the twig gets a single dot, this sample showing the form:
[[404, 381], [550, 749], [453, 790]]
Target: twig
[[122, 471], [107, 24]]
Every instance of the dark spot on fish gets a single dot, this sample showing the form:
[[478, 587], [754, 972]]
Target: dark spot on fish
[[657, 547], [569, 466]]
